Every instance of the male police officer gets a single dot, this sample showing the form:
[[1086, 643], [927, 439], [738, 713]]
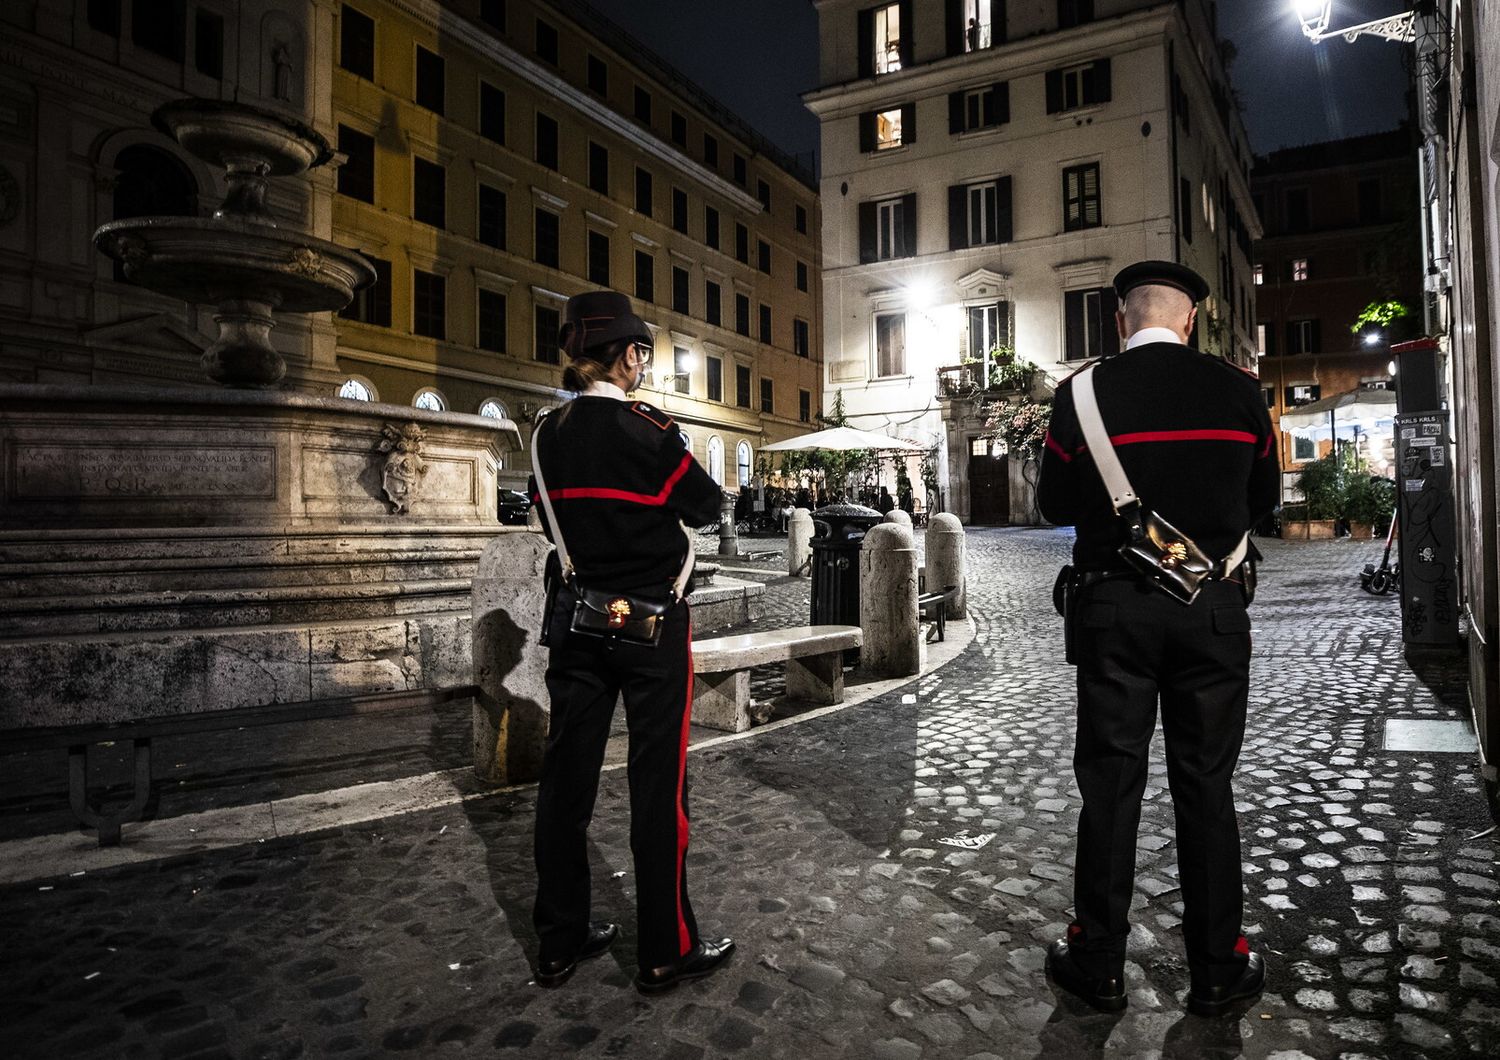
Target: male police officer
[[1193, 437]]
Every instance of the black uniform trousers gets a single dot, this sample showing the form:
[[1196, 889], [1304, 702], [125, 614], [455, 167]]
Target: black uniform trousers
[[585, 676], [1135, 644]]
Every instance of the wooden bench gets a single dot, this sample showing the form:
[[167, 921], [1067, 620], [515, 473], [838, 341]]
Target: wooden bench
[[141, 731], [933, 607], [814, 657]]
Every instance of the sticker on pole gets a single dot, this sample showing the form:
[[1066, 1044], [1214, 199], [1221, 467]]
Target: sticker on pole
[[965, 841]]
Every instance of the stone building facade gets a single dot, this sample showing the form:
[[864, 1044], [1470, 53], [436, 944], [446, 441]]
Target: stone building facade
[[987, 168], [1343, 229], [501, 157]]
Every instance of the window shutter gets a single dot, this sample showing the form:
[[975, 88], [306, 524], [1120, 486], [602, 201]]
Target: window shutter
[[1109, 334], [1317, 391], [867, 132], [909, 122], [908, 27], [868, 248], [1291, 338], [958, 217], [866, 35], [1005, 225], [997, 23], [1054, 91], [955, 22], [1073, 325], [1001, 94], [988, 115], [1287, 397], [1102, 86], [1317, 336], [955, 113], [909, 224]]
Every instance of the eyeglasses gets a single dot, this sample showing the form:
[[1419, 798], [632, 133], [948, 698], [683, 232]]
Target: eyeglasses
[[644, 352]]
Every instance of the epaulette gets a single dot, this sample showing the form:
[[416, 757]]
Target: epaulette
[[651, 413]]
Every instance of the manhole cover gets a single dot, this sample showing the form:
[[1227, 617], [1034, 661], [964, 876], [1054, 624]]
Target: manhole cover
[[1409, 734]]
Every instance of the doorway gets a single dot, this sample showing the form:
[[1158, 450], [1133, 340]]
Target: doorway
[[989, 485]]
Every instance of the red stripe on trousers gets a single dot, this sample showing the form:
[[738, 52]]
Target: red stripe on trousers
[[604, 493], [684, 937]]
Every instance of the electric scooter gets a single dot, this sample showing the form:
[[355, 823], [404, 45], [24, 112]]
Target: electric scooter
[[1377, 581]]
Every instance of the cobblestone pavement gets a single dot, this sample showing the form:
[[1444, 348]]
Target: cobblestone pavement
[[820, 848]]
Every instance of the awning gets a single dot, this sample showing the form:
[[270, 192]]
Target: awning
[[844, 439], [1365, 410]]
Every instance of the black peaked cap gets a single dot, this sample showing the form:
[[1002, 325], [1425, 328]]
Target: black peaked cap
[[597, 319], [1162, 273]]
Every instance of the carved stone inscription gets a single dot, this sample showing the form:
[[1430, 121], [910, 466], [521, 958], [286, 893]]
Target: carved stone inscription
[[57, 472]]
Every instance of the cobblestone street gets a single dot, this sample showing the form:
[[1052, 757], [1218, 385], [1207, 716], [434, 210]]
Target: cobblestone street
[[820, 847]]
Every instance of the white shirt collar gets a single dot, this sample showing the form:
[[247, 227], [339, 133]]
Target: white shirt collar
[[1145, 335], [599, 388]]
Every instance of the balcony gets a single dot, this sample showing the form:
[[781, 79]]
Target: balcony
[[968, 380]]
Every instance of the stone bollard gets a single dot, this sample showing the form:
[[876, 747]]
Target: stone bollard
[[510, 667], [897, 516], [947, 561], [729, 542], [888, 603], [799, 535]]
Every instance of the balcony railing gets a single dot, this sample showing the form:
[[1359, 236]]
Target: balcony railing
[[965, 380]]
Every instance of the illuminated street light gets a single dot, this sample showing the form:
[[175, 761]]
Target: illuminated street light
[[1373, 339], [1315, 15]]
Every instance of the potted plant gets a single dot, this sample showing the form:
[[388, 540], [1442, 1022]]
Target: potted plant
[[1369, 503], [1321, 485]]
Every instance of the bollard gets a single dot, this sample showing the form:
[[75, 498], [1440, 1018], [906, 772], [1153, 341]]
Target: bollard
[[897, 516], [799, 543], [510, 667], [888, 603], [729, 542], [947, 561]]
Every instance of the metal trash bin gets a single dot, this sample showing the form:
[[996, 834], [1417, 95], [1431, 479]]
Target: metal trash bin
[[835, 562]]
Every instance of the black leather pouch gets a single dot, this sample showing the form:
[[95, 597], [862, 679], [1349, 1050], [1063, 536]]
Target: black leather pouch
[[625, 617], [1166, 555]]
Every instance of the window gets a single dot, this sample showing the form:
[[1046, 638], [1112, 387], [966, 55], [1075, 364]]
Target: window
[[598, 168], [546, 141], [104, 16], [491, 322], [801, 222], [645, 276], [357, 175], [598, 76], [711, 227], [881, 130], [1299, 270], [767, 396], [740, 176], [1072, 13], [881, 45], [1259, 273], [643, 192], [492, 13], [547, 226], [678, 126], [546, 335], [355, 390], [1209, 213], [710, 151], [430, 88], [1081, 197], [1185, 207], [715, 378], [888, 229], [985, 107], [1069, 88], [491, 112], [429, 192], [1298, 212], [742, 463], [715, 467], [682, 370], [713, 303], [1300, 394], [742, 314], [1303, 336], [208, 43], [494, 410], [765, 324], [1268, 394], [989, 327], [1369, 201], [546, 42], [979, 214], [681, 302], [357, 42], [598, 255], [763, 256], [491, 217], [1260, 339], [157, 26], [642, 105], [679, 210], [801, 275], [975, 24], [763, 193], [890, 344], [742, 386], [1304, 448], [1089, 324], [429, 308], [741, 243], [429, 399], [804, 406], [372, 305], [799, 337]]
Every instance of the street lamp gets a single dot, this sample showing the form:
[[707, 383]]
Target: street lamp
[[1373, 339], [1315, 16]]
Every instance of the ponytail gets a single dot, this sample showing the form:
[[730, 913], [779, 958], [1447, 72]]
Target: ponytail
[[592, 367]]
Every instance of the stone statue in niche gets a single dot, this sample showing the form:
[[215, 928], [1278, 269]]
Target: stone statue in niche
[[281, 61], [401, 477]]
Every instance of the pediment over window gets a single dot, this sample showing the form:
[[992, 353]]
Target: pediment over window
[[976, 282]]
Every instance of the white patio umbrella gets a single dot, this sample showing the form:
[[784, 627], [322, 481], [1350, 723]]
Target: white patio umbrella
[[1365, 411], [843, 439]]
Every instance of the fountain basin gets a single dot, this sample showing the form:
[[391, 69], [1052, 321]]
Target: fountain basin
[[227, 133]]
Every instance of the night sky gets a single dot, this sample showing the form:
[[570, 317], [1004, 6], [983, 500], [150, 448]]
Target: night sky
[[759, 57]]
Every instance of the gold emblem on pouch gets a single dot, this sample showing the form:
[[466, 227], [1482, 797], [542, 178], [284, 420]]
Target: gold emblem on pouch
[[619, 611], [1176, 552]]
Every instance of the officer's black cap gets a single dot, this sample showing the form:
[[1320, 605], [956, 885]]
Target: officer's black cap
[[1163, 274], [594, 320]]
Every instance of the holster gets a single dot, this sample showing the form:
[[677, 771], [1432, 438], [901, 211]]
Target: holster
[[1065, 601]]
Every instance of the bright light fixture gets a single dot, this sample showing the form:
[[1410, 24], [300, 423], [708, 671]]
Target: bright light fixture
[[1372, 339], [920, 295], [1390, 369]]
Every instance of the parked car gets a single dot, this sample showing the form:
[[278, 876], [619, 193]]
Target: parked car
[[512, 507]]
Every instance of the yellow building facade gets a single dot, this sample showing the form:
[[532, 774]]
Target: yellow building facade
[[498, 157]]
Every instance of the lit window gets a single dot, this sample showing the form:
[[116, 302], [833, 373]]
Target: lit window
[[979, 447], [1260, 275], [1299, 269], [1208, 208], [493, 410], [354, 390], [976, 16], [716, 460], [888, 39], [742, 462], [429, 400], [888, 129], [1260, 339], [891, 230], [890, 344]]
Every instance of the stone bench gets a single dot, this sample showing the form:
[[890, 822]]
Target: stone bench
[[814, 657]]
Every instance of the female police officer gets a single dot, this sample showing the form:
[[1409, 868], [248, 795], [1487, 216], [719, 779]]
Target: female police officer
[[618, 482]]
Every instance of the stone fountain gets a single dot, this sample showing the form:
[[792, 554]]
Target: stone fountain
[[185, 549]]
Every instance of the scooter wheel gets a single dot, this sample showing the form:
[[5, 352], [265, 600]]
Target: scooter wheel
[[1380, 582]]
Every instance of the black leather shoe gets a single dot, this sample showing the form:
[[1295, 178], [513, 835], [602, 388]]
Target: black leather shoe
[[1217, 1000], [1106, 995], [703, 959], [601, 937]]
